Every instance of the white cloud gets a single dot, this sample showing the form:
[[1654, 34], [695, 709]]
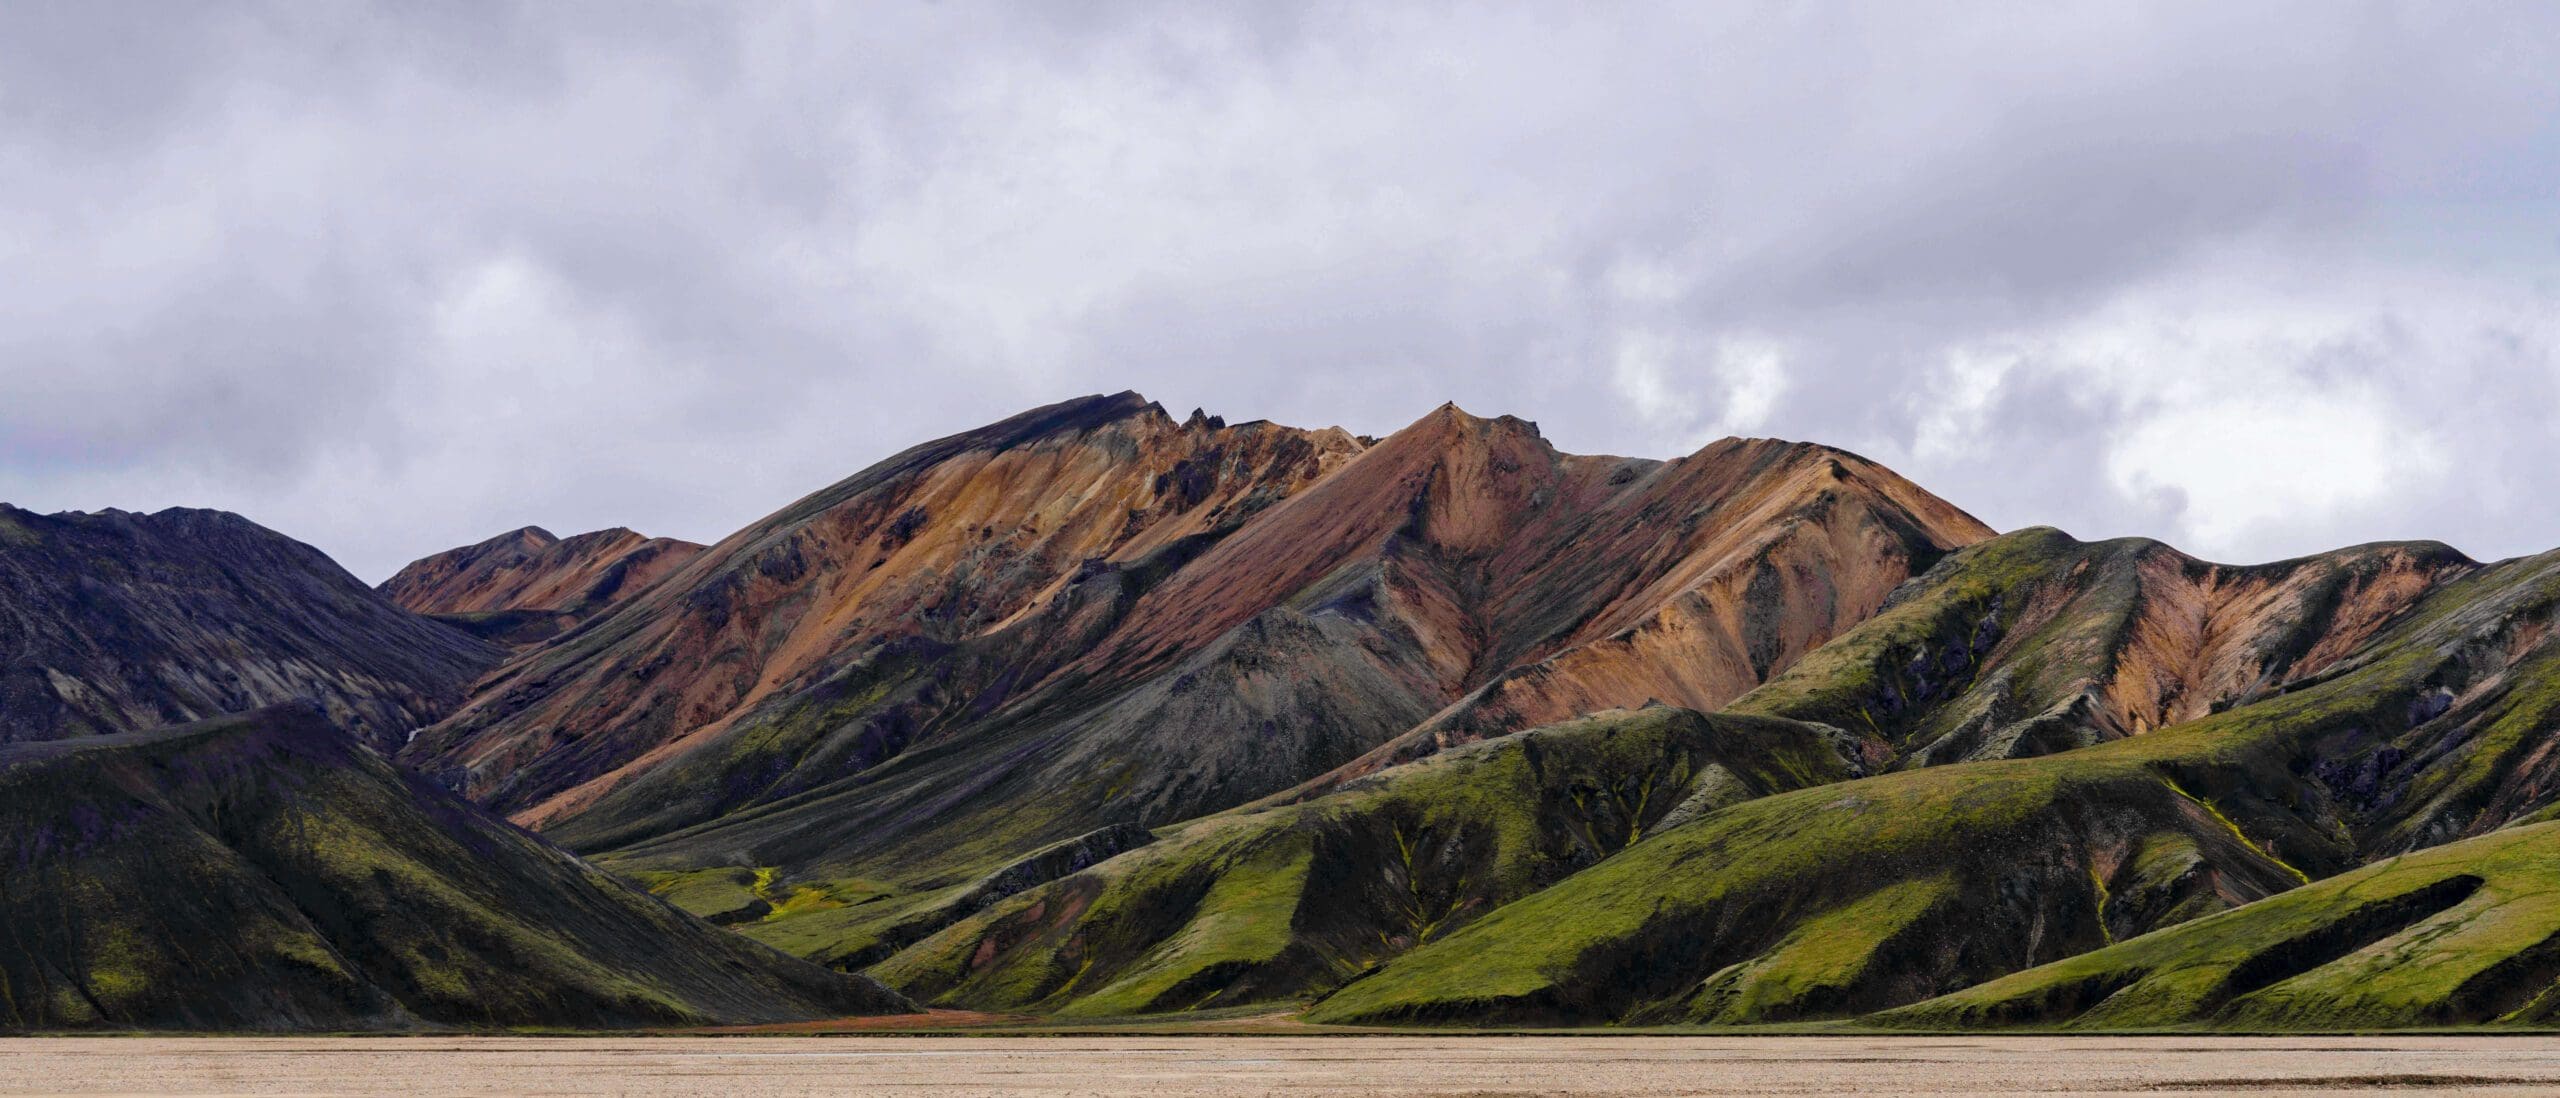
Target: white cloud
[[2241, 467]]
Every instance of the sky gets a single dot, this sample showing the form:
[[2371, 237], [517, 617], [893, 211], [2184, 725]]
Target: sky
[[2257, 279]]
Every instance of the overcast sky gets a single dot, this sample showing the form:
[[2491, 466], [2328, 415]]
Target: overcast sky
[[2256, 279]]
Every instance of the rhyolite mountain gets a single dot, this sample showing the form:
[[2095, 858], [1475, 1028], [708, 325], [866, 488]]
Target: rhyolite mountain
[[116, 621], [1095, 616], [265, 871], [1096, 712], [527, 585]]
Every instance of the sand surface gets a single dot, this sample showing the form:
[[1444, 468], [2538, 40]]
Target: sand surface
[[1166, 1067]]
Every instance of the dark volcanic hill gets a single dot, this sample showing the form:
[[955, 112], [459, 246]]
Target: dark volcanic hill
[[117, 621], [266, 872], [526, 585]]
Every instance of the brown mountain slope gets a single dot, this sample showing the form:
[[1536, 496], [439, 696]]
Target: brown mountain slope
[[526, 585], [117, 621], [944, 542], [1182, 675], [1697, 582]]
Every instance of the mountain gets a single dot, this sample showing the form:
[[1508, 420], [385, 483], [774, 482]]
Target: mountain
[[1881, 892], [1095, 616], [264, 871], [527, 586], [117, 621]]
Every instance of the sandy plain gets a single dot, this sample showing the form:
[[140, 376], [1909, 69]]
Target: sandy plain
[[1168, 1067]]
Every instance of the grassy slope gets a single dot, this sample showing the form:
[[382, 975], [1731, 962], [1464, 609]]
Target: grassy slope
[[263, 872], [1863, 896], [2462, 934], [1287, 901]]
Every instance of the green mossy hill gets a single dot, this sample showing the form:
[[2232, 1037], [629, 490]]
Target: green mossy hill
[[2464, 934], [1279, 903], [264, 872], [849, 923], [1877, 893], [1834, 901], [2034, 642]]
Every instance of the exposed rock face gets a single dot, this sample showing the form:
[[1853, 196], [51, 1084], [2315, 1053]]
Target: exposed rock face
[[1093, 614], [266, 872], [950, 541], [2035, 642], [526, 586], [529, 569], [117, 621]]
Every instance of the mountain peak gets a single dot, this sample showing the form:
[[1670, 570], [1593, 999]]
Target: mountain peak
[[531, 571]]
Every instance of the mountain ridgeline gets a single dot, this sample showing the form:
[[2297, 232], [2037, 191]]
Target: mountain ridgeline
[[1098, 712], [527, 586]]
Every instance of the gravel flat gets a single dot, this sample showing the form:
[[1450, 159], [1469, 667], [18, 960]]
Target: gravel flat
[[1167, 1067]]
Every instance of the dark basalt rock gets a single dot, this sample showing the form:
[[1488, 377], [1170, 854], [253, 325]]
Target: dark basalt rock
[[116, 621]]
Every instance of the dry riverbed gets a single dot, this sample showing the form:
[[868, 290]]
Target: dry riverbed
[[1167, 1067]]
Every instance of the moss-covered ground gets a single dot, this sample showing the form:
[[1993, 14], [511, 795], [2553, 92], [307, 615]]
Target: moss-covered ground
[[1279, 903], [2465, 934]]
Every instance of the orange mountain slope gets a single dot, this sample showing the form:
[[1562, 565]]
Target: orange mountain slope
[[1093, 614]]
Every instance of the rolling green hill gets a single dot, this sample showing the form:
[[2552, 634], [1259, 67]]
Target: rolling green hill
[[2462, 934]]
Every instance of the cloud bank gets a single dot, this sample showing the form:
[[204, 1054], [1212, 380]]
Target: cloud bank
[[2256, 279]]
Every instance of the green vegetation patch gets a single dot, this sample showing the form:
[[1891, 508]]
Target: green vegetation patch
[[2462, 934]]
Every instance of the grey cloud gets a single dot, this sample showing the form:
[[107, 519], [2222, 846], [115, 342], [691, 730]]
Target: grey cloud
[[393, 277]]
